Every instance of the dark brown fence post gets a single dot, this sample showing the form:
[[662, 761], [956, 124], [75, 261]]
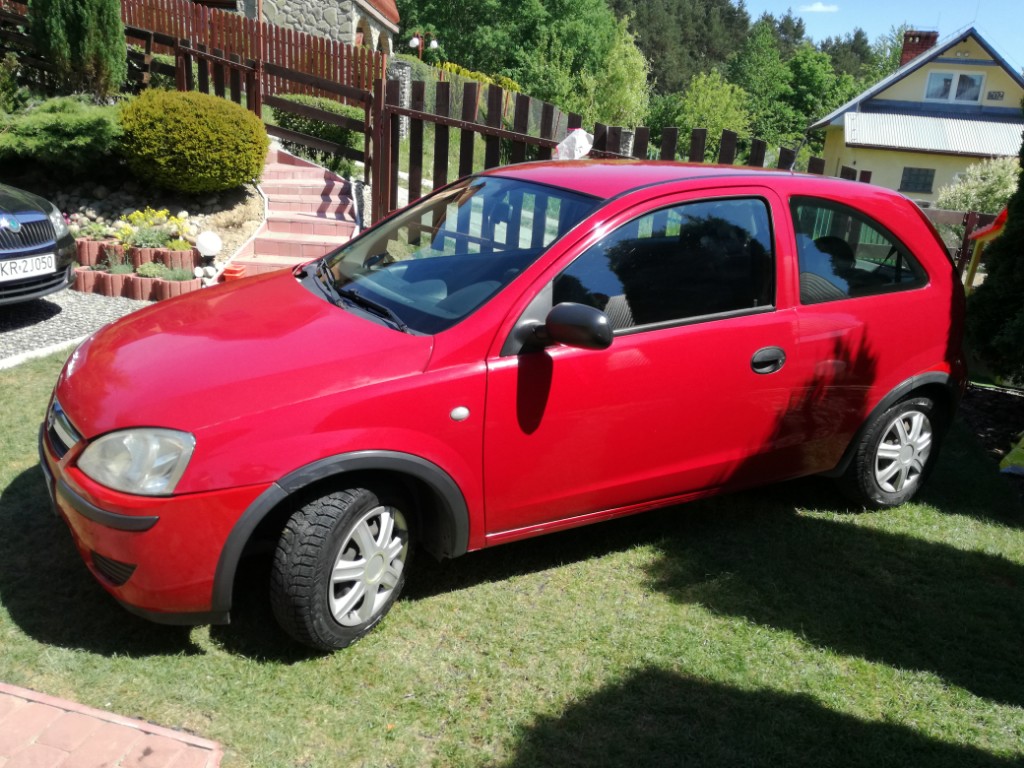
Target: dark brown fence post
[[492, 144], [183, 61], [698, 143], [466, 141], [615, 139], [393, 98], [757, 152], [786, 158], [442, 106], [641, 140], [864, 176], [547, 128], [416, 141], [816, 165], [727, 149], [520, 124], [846, 172], [669, 142], [600, 137]]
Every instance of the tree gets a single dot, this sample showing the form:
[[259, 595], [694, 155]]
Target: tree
[[995, 311], [84, 40], [815, 89], [758, 69], [985, 187], [851, 54], [789, 30], [709, 102], [682, 38], [620, 94]]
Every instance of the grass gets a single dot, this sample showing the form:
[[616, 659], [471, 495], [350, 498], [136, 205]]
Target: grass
[[768, 628]]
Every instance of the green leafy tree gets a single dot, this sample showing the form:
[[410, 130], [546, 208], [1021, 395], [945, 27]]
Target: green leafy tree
[[84, 40], [758, 69], [851, 54], [709, 102], [682, 38], [620, 93], [815, 89], [887, 50], [985, 187], [995, 311]]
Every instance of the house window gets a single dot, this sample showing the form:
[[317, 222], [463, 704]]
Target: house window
[[917, 180], [957, 87]]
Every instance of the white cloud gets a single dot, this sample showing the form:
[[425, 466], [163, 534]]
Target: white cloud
[[819, 7]]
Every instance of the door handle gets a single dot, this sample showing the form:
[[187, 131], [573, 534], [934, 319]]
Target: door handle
[[768, 360]]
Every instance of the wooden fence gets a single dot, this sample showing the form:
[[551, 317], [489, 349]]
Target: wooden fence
[[213, 29]]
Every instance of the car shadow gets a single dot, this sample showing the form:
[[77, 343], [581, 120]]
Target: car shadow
[[26, 314], [50, 595], [656, 717]]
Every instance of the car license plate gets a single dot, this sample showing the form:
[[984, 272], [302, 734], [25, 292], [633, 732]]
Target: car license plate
[[30, 266]]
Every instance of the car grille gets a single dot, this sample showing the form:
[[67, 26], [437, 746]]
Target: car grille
[[61, 432], [31, 235], [114, 571]]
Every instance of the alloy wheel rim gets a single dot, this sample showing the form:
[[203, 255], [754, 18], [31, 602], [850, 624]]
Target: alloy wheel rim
[[903, 452], [368, 567]]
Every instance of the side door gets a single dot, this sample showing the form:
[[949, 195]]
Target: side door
[[690, 395]]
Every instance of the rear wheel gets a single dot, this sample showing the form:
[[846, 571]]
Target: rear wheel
[[895, 454], [339, 566]]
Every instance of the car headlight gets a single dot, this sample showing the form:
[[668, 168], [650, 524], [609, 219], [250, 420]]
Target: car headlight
[[60, 227], [148, 462]]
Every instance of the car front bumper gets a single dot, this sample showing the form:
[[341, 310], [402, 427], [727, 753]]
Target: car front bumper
[[157, 556]]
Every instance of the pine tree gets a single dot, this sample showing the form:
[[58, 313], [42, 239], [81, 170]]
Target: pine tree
[[84, 40], [995, 311]]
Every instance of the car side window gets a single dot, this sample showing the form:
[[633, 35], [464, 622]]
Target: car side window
[[844, 254], [677, 263]]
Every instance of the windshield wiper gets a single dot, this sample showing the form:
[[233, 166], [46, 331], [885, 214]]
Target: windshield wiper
[[372, 306]]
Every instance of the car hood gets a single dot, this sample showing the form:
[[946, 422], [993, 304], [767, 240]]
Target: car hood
[[227, 352], [17, 201]]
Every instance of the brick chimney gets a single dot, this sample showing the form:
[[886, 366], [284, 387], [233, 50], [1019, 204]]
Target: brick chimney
[[916, 42]]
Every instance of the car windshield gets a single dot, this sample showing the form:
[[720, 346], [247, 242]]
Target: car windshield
[[431, 265]]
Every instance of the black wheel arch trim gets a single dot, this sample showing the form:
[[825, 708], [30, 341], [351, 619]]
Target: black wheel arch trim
[[900, 392], [453, 515]]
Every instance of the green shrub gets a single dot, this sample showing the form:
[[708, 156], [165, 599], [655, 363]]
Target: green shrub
[[152, 269], [179, 245], [67, 134], [318, 129], [13, 95], [149, 237], [180, 274], [192, 142], [501, 81]]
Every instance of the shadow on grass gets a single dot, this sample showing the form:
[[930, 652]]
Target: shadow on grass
[[657, 718], [49, 593], [890, 598]]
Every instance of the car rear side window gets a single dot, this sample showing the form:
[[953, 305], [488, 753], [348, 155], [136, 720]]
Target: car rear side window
[[677, 263], [844, 254]]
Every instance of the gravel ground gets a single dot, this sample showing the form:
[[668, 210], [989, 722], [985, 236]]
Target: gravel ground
[[59, 320]]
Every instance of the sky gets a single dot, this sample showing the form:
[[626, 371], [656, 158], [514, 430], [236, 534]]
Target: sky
[[1000, 22]]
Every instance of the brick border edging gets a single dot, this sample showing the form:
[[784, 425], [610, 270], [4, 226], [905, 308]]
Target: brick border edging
[[140, 725]]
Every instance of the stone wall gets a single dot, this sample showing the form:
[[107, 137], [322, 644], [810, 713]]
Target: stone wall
[[334, 19]]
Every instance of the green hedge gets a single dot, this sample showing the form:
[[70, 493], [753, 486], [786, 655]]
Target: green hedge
[[68, 134], [192, 142]]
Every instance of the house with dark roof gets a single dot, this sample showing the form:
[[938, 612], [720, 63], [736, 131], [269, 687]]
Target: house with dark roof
[[373, 23], [950, 104]]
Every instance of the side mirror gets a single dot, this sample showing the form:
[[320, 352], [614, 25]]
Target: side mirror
[[576, 325]]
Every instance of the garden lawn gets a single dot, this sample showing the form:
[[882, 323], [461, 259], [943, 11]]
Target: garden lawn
[[771, 628]]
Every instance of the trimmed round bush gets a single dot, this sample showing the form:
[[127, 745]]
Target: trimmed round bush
[[192, 142]]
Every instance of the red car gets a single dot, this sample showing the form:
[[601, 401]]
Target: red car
[[526, 350]]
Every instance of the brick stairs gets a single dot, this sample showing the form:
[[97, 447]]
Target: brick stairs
[[309, 212]]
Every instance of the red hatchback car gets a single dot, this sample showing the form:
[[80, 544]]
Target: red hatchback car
[[526, 350]]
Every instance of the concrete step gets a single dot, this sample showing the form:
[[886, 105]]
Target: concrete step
[[338, 225], [301, 247], [291, 171], [326, 205], [301, 186]]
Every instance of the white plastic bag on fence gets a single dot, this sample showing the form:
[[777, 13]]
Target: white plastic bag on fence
[[574, 146]]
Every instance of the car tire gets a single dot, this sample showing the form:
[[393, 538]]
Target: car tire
[[895, 454], [339, 566]]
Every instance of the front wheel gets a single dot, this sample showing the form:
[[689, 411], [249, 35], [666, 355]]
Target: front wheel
[[895, 454], [339, 566]]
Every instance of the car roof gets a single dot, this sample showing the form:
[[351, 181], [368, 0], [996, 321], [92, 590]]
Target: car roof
[[608, 178]]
